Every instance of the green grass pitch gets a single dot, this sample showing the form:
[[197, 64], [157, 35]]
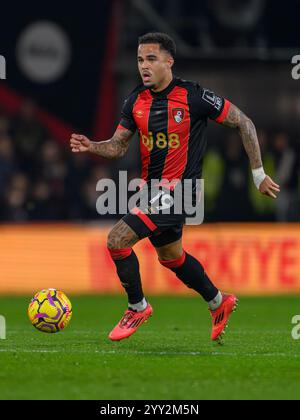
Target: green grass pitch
[[169, 357]]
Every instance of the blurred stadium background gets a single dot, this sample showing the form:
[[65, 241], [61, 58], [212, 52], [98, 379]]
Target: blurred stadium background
[[69, 71]]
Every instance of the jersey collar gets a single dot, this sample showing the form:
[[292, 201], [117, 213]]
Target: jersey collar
[[166, 91]]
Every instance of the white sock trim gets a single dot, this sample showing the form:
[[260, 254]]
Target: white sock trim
[[139, 307], [216, 302]]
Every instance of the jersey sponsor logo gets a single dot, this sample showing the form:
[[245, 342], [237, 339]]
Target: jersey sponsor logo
[[160, 140], [178, 115], [212, 99]]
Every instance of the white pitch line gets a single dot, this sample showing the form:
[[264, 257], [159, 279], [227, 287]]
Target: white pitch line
[[28, 351], [151, 353]]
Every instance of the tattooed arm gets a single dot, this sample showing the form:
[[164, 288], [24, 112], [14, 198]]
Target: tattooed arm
[[237, 119], [114, 148]]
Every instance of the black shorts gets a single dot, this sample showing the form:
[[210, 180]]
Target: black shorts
[[156, 217], [161, 230]]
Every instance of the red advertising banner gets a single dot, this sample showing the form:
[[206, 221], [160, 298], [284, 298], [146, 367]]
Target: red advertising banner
[[251, 259]]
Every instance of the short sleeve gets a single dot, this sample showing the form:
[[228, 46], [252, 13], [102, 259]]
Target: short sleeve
[[210, 105], [127, 120]]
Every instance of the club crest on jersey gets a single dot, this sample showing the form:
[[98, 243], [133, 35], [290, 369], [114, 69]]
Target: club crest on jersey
[[178, 115]]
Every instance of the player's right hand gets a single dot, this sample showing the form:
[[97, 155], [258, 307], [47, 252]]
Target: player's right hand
[[79, 143]]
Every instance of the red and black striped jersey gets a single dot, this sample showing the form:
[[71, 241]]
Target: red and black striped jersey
[[171, 126]]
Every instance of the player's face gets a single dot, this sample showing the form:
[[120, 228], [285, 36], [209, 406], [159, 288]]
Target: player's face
[[154, 64]]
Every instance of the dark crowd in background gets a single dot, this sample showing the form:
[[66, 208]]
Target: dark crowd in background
[[41, 180], [78, 75]]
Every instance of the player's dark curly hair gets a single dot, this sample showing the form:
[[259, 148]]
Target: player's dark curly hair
[[164, 40]]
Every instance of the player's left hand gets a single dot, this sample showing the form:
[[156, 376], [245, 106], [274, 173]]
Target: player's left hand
[[269, 187]]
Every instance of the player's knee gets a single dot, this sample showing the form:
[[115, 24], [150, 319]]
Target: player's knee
[[111, 240], [171, 251], [121, 236], [169, 255], [173, 263], [115, 248]]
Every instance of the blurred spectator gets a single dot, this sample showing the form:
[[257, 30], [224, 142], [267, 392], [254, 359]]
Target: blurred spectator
[[79, 167], [287, 175], [89, 195], [7, 161], [28, 134], [263, 208], [233, 202], [14, 208], [42, 206], [52, 167], [213, 174], [4, 126]]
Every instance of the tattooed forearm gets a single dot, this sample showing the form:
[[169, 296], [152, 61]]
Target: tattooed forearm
[[114, 148], [237, 119]]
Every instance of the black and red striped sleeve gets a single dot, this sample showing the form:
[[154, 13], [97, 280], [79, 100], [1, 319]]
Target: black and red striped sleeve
[[210, 105], [127, 120]]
